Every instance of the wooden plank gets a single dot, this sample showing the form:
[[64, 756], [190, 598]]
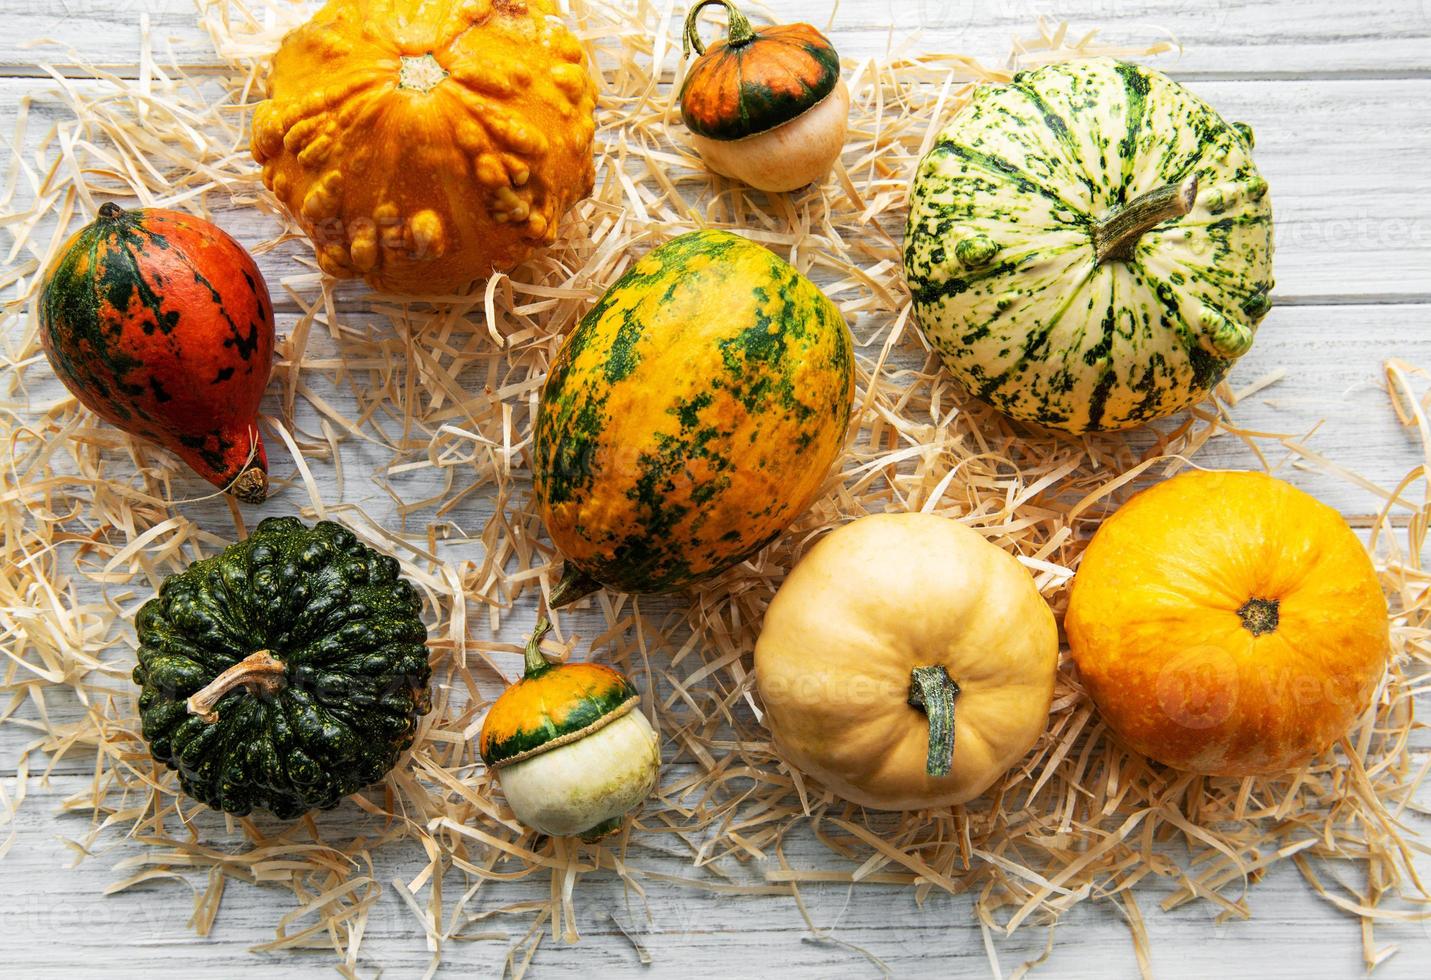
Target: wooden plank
[[1222, 38], [1353, 222], [58, 919]]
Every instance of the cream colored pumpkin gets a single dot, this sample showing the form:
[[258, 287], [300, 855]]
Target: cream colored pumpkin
[[860, 629]]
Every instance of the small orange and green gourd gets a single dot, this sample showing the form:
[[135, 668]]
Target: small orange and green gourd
[[572, 753], [764, 105]]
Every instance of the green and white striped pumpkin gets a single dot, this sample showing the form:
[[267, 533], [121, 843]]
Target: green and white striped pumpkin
[[1089, 246]]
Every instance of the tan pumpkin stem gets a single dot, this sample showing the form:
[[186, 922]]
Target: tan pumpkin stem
[[250, 486], [933, 691], [574, 584], [738, 29], [1115, 236], [259, 672]]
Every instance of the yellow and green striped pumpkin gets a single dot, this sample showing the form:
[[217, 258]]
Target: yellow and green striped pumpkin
[[1089, 246], [694, 413]]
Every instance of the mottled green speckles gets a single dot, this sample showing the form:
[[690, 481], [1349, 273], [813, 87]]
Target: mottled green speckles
[[621, 356], [976, 251], [688, 411], [1041, 331], [568, 465], [681, 473]]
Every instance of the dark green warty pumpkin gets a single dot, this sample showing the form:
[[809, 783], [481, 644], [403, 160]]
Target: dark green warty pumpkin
[[285, 673]]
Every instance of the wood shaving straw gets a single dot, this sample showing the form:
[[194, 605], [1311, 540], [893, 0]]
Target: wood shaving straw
[[424, 409]]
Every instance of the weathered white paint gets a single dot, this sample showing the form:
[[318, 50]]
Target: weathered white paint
[[1337, 94]]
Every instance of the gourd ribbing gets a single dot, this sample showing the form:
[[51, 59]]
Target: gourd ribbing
[[933, 691]]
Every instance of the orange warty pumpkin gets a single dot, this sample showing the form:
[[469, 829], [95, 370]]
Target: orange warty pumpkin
[[423, 144], [1228, 624]]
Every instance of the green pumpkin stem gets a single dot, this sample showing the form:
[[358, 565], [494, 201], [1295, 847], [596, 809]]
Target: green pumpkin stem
[[574, 584], [1261, 615], [933, 691], [1115, 235], [260, 672], [738, 29], [536, 663]]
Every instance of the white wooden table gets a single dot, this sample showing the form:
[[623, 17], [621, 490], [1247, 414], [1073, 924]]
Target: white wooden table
[[1340, 97]]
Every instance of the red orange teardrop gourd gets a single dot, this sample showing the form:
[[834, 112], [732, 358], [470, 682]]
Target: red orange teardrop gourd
[[161, 324]]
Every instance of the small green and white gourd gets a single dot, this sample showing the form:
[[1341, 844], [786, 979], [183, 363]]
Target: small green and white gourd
[[1089, 246], [573, 752]]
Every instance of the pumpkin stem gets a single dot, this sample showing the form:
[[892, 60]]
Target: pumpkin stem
[[420, 73], [109, 211], [738, 29], [932, 690], [602, 830], [250, 486], [260, 672], [536, 663], [1260, 615], [574, 584], [1115, 235]]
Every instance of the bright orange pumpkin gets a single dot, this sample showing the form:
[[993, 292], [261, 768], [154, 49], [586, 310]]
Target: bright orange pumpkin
[[1228, 624], [423, 144]]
